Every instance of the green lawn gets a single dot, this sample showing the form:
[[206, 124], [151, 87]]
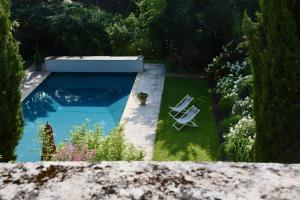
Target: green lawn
[[197, 144]]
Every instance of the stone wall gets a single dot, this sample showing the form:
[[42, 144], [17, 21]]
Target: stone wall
[[154, 180]]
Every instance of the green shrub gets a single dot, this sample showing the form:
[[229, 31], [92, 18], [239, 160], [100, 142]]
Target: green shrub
[[229, 122], [245, 88], [91, 145], [239, 142], [226, 104], [114, 148]]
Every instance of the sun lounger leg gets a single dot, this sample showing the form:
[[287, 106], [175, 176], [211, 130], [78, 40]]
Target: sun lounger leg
[[178, 128]]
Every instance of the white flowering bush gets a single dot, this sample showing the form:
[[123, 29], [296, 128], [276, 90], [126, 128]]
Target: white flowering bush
[[239, 141], [233, 75], [237, 68], [230, 60], [226, 86], [243, 107], [231, 85]]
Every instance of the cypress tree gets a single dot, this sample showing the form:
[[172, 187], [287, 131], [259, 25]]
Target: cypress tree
[[274, 48], [11, 74]]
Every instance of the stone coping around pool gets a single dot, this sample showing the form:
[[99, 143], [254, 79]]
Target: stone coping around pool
[[109, 64], [31, 80], [149, 180], [96, 58], [140, 122]]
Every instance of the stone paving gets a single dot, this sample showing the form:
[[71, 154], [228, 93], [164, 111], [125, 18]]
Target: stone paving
[[31, 80], [140, 121]]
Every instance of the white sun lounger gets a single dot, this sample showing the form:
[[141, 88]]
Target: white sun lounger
[[186, 119], [181, 106]]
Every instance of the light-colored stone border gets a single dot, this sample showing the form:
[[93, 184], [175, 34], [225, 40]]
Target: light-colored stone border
[[95, 64], [31, 80], [140, 122]]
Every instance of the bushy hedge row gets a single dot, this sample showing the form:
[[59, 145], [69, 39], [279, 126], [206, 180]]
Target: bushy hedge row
[[233, 75]]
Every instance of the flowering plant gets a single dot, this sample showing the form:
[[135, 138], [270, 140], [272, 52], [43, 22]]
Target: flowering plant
[[240, 139], [75, 152], [232, 72], [91, 145], [243, 107]]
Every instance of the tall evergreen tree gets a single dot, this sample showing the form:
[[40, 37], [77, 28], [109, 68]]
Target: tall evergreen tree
[[274, 46], [11, 74]]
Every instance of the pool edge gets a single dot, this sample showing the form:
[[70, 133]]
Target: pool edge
[[32, 80]]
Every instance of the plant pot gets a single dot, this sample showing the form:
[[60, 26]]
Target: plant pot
[[143, 98]]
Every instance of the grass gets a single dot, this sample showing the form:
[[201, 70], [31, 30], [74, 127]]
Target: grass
[[196, 144]]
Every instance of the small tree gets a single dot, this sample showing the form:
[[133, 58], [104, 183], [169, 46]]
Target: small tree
[[274, 46], [47, 142], [11, 74]]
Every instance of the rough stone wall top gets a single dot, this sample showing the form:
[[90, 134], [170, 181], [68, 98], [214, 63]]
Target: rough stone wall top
[[143, 180]]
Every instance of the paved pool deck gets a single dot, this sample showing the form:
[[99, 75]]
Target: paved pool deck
[[31, 80], [140, 122]]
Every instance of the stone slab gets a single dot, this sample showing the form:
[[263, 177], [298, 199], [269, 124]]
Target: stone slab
[[149, 180]]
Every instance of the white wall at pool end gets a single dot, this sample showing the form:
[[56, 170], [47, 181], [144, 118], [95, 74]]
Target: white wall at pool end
[[95, 64]]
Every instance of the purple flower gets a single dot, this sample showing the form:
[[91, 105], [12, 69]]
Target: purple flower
[[73, 152]]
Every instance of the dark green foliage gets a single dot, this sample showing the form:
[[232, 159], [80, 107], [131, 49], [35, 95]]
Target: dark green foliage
[[226, 104], [188, 32], [274, 43], [246, 88], [192, 32], [63, 29], [38, 60], [229, 122], [114, 6], [11, 67]]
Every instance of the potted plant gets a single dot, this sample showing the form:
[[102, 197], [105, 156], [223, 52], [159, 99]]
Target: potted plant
[[142, 97]]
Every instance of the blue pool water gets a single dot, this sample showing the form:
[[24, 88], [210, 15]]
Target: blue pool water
[[68, 99]]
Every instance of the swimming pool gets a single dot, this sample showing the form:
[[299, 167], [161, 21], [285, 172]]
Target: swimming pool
[[68, 99]]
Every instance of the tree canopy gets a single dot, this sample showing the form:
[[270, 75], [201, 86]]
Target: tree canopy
[[275, 58], [11, 75]]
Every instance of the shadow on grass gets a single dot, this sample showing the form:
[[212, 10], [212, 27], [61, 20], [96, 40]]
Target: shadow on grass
[[197, 144]]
